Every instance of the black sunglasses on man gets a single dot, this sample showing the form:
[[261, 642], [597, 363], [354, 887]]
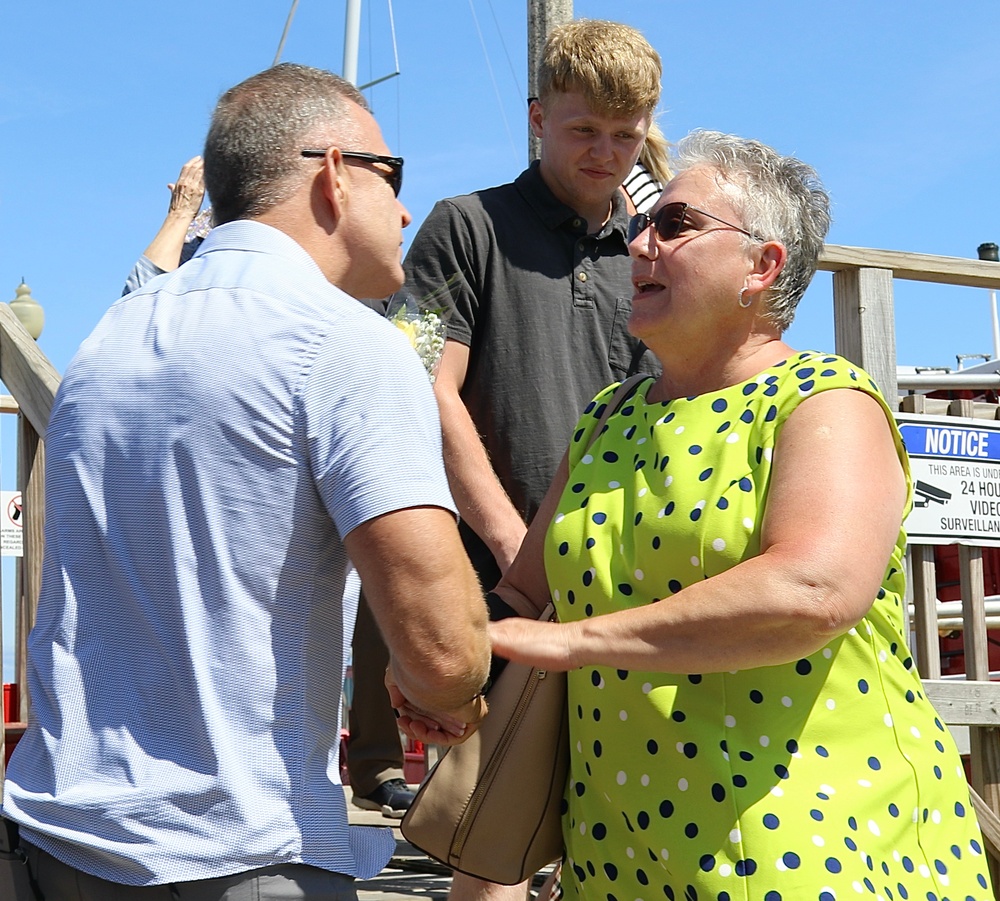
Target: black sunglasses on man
[[395, 163]]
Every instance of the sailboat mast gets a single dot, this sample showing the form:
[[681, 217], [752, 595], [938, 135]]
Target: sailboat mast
[[352, 38]]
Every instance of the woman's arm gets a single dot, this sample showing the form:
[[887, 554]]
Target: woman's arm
[[833, 516], [186, 195]]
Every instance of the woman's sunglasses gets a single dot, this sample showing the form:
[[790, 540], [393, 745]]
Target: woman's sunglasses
[[671, 219]]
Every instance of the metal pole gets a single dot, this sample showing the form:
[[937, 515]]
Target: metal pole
[[543, 16], [991, 252], [352, 37], [996, 324], [284, 34]]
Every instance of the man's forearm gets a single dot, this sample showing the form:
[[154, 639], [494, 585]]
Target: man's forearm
[[427, 601]]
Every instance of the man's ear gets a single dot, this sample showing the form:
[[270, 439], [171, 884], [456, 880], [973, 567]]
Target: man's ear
[[536, 117], [334, 183], [769, 260]]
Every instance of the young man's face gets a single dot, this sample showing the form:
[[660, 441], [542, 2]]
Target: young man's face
[[585, 157]]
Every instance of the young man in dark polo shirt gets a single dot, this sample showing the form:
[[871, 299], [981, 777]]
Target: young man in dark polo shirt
[[535, 280]]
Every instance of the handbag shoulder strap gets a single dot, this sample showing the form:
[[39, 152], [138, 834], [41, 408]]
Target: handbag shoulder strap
[[520, 603], [622, 393]]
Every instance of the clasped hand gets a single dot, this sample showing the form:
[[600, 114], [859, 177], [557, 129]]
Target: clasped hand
[[439, 728], [542, 644]]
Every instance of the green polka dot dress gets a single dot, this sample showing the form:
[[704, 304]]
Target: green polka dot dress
[[829, 777]]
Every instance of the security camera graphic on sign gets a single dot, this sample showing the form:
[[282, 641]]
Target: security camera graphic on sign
[[924, 495]]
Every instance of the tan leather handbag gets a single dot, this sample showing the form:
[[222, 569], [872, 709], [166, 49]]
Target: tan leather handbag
[[491, 807]]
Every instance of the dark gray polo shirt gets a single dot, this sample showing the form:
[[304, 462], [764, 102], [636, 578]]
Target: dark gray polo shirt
[[543, 308]]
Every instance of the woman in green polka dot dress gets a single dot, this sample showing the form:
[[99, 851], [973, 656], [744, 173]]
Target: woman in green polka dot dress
[[726, 561]]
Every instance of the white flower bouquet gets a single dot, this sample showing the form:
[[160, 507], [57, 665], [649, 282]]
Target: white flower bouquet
[[425, 329]]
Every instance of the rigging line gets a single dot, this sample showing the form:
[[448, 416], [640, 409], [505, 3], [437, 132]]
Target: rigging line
[[395, 54], [521, 92], [392, 31], [496, 89], [399, 93], [368, 15], [284, 34]]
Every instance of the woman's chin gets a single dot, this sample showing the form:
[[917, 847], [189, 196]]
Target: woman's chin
[[644, 319]]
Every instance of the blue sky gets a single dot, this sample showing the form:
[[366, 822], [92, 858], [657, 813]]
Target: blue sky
[[895, 102]]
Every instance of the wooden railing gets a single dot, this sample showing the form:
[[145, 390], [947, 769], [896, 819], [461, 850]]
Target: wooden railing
[[32, 381], [864, 320], [863, 306]]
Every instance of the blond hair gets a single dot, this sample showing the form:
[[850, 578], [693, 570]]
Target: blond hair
[[612, 64], [655, 154]]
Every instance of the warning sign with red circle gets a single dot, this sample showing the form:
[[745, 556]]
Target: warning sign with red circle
[[12, 524]]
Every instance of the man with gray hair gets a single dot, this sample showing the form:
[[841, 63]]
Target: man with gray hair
[[235, 445]]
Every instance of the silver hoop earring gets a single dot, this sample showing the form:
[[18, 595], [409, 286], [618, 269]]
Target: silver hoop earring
[[744, 302]]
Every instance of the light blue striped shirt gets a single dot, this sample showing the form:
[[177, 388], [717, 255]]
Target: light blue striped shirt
[[211, 442]]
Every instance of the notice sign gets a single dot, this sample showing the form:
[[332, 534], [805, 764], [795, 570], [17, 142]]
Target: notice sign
[[11, 525], [956, 479]]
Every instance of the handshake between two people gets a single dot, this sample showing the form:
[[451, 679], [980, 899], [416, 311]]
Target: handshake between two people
[[518, 639], [445, 728]]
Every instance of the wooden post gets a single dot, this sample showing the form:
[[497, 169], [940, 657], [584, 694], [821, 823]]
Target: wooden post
[[970, 567], [923, 582], [984, 741], [927, 648], [864, 324], [31, 482], [543, 16]]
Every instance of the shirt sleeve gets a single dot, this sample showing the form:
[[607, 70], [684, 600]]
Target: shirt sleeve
[[143, 270], [443, 269], [642, 188], [373, 430]]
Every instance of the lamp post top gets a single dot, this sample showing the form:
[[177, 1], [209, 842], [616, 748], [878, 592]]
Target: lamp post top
[[28, 310]]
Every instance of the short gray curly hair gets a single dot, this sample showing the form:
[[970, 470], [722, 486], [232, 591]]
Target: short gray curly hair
[[779, 199]]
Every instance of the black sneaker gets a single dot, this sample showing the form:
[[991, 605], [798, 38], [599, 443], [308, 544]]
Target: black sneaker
[[393, 798]]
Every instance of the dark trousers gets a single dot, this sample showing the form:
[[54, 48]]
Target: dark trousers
[[374, 749], [286, 882]]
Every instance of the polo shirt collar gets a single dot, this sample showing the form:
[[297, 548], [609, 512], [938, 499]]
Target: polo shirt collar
[[556, 214]]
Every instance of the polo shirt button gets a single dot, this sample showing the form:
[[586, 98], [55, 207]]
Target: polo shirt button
[[577, 223], [582, 276]]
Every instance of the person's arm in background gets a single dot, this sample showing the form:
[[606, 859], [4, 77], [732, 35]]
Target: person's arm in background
[[186, 195], [481, 499], [164, 252]]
